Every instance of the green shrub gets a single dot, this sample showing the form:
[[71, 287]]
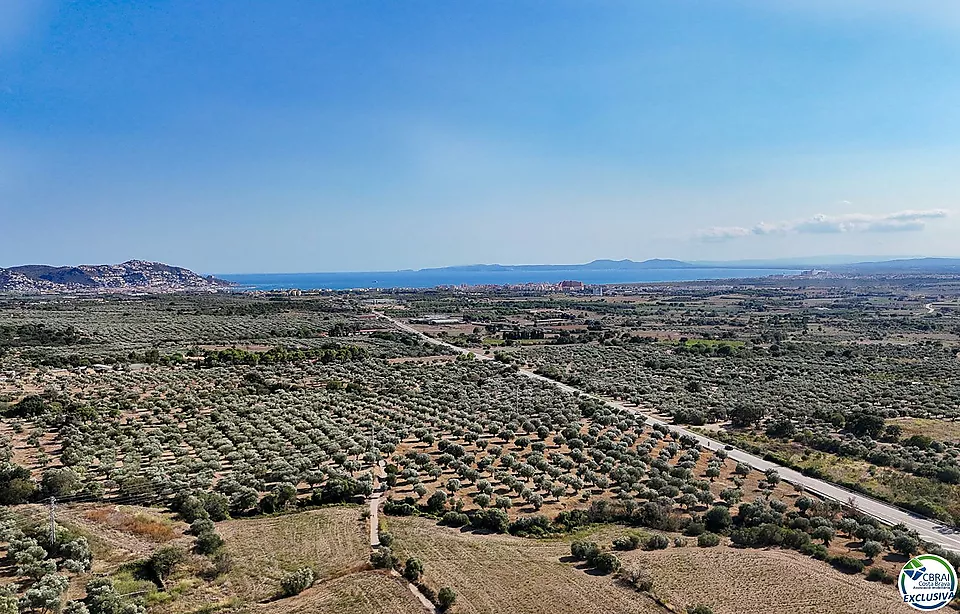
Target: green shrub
[[530, 526], [413, 569], [877, 574], [848, 564], [201, 525], [694, 529], [437, 502], [817, 551], [717, 519], [382, 558], [455, 519], [494, 520], [16, 485], [584, 550], [297, 582], [162, 562], [208, 542], [627, 542], [606, 562], [446, 598], [399, 508], [657, 541]]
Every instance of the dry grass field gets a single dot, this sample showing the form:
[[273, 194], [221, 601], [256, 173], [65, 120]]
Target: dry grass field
[[495, 573], [332, 541], [941, 430], [748, 581], [371, 592], [148, 525]]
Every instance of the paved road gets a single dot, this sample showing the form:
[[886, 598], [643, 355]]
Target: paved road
[[929, 530]]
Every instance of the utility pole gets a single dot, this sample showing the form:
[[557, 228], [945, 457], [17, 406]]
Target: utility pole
[[53, 522]]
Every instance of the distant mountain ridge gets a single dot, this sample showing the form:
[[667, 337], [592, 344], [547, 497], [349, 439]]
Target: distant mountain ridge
[[850, 266], [85, 278], [596, 265]]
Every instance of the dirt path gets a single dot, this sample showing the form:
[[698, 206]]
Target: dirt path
[[374, 520], [375, 534], [375, 505], [416, 593]]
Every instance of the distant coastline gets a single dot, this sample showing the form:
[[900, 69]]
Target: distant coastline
[[471, 276], [156, 277]]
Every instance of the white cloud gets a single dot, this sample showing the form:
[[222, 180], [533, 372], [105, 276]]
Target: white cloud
[[900, 221]]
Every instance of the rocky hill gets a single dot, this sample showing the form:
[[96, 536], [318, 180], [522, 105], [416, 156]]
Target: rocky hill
[[133, 275]]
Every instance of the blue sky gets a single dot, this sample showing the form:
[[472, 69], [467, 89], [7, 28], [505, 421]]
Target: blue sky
[[379, 135]]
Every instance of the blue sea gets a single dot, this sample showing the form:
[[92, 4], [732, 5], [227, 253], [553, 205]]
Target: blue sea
[[439, 277]]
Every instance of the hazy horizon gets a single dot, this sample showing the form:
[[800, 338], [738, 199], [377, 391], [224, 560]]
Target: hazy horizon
[[825, 260], [345, 136], [812, 260]]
